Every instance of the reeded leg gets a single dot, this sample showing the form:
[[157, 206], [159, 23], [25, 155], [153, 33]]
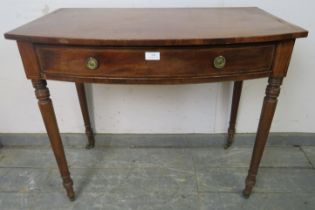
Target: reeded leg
[[267, 112], [48, 114], [237, 89], [85, 114]]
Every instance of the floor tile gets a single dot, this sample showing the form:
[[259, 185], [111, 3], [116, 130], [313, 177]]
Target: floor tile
[[37, 157], [118, 201], [16, 201], [22, 179], [257, 201], [132, 180], [177, 159], [310, 153], [268, 180], [240, 157]]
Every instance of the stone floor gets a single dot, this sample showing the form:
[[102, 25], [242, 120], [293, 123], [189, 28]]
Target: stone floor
[[157, 177]]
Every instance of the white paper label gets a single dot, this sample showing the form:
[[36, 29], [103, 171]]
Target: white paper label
[[152, 56]]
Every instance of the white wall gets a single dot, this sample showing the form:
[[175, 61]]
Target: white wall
[[202, 108]]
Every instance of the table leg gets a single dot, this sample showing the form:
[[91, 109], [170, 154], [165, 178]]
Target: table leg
[[85, 113], [48, 114], [267, 112], [237, 89]]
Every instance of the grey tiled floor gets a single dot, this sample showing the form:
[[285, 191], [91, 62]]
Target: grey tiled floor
[[151, 178]]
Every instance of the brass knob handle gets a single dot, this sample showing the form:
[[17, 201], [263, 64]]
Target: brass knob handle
[[219, 62], [91, 63]]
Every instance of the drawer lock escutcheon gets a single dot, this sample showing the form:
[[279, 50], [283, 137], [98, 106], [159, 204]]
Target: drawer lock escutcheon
[[91, 63], [219, 62]]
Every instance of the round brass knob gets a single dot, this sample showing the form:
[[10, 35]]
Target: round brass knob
[[219, 62], [91, 63]]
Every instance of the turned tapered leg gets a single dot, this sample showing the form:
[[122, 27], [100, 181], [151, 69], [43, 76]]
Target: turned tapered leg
[[48, 114], [85, 114], [267, 112], [237, 89]]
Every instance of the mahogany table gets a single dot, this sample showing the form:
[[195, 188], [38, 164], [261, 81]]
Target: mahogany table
[[156, 46]]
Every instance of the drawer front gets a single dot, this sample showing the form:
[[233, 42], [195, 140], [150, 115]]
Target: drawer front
[[153, 62]]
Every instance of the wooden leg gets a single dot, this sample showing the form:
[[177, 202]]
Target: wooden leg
[[85, 114], [237, 89], [48, 114], [267, 112]]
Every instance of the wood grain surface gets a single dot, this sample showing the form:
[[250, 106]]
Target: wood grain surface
[[173, 62], [151, 27]]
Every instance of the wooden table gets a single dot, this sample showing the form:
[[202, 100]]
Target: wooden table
[[156, 46]]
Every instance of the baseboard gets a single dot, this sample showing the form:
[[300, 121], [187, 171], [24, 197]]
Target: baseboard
[[156, 140]]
